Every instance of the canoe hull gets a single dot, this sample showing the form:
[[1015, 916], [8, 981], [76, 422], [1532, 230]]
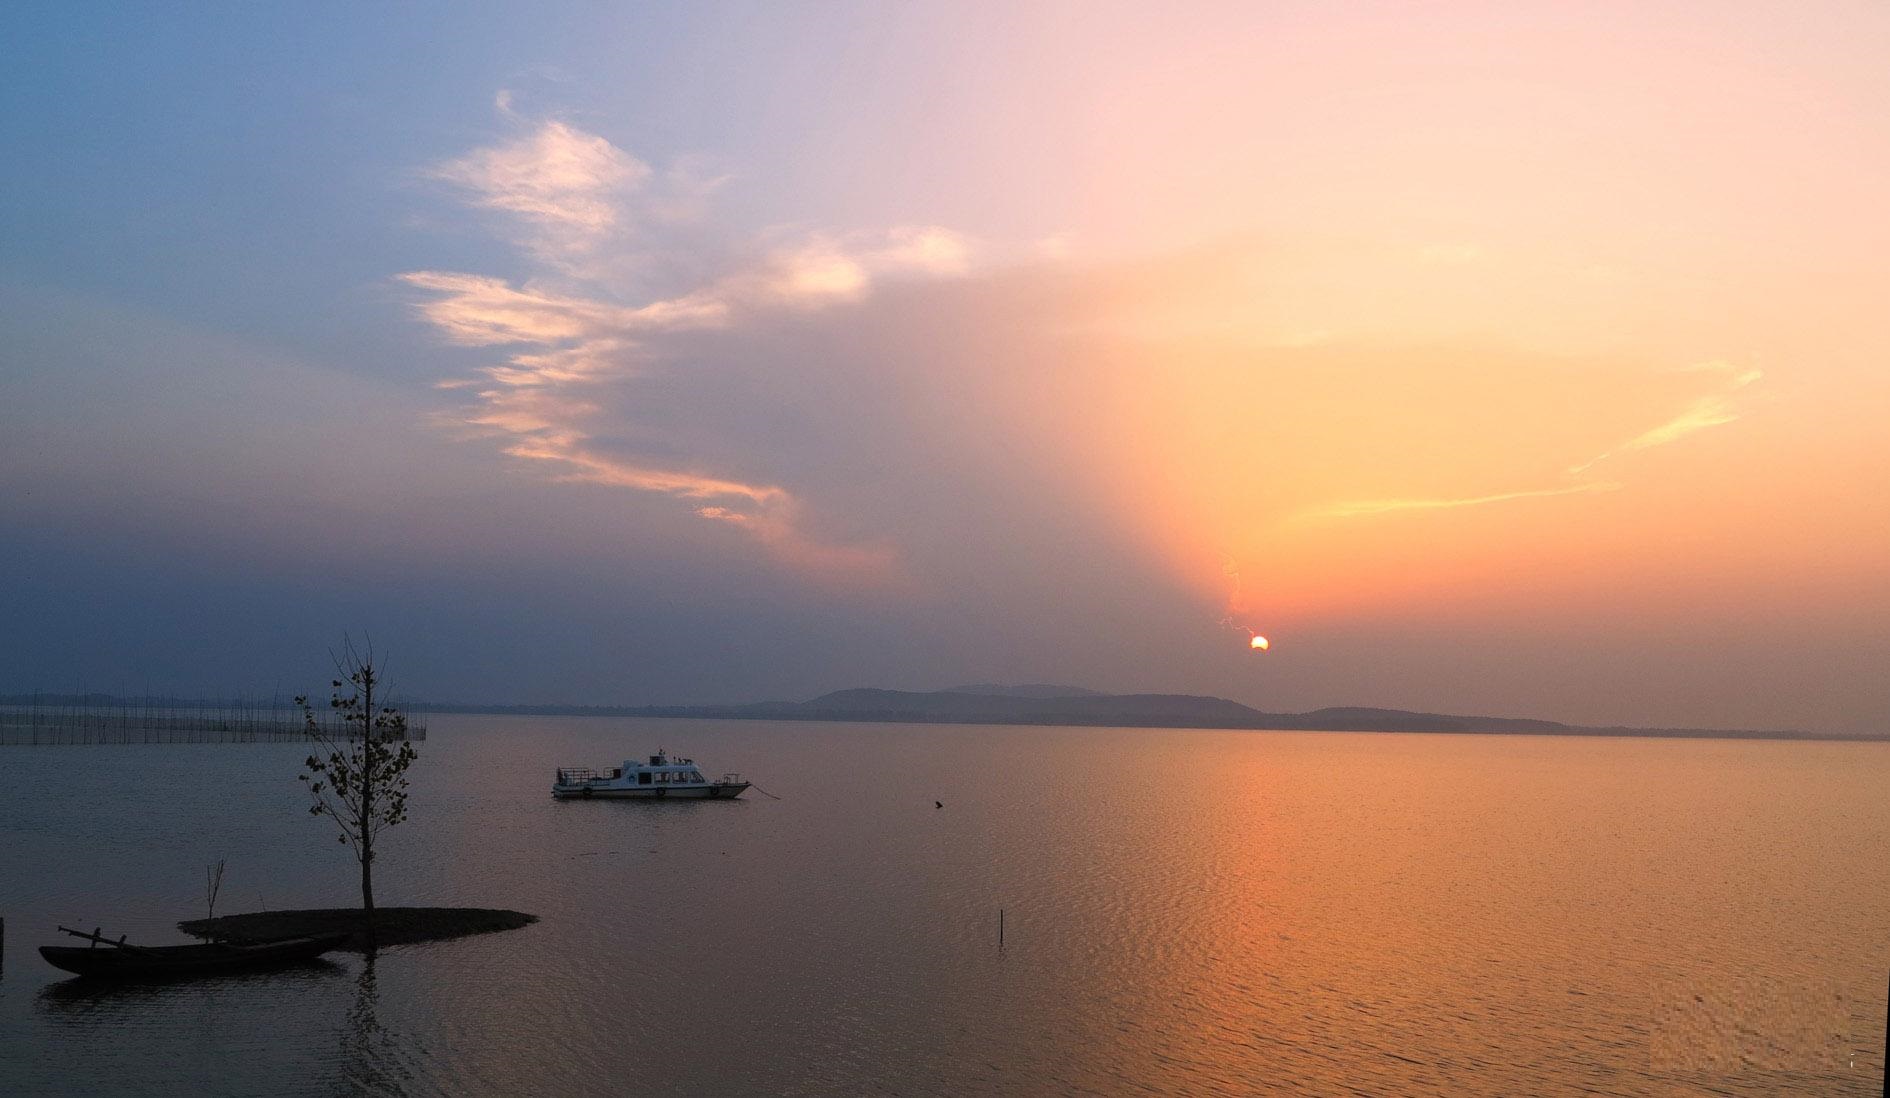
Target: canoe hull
[[174, 962]]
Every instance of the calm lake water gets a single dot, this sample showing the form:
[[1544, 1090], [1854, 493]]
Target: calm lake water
[[1186, 912]]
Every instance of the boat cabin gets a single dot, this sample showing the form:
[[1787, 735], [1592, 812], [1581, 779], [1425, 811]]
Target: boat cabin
[[661, 770]]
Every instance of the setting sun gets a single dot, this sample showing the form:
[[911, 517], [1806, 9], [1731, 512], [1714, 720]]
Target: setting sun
[[1260, 642]]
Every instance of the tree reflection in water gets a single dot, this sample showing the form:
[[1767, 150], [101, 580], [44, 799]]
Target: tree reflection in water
[[370, 1055]]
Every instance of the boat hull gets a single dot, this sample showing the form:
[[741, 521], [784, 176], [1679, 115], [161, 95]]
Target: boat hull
[[716, 791], [175, 962]]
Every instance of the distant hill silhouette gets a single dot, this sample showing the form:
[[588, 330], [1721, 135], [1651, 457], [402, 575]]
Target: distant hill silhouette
[[1023, 690], [951, 706], [1049, 705], [1055, 705]]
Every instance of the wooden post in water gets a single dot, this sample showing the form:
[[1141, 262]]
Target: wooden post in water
[[1001, 932]]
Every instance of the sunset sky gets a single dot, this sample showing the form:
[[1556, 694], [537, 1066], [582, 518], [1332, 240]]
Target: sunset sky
[[1511, 358]]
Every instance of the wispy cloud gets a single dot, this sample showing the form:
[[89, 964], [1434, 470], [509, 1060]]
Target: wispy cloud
[[822, 269], [565, 184], [778, 530], [1356, 508], [1710, 410], [543, 425], [476, 311], [583, 465], [574, 339]]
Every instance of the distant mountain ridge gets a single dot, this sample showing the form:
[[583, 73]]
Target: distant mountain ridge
[[950, 706], [1035, 705], [1023, 690], [1026, 703], [1057, 705]]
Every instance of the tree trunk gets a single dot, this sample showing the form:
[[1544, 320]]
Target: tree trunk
[[366, 822], [367, 896]]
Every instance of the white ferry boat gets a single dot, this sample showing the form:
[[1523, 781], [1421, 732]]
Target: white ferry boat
[[661, 778]]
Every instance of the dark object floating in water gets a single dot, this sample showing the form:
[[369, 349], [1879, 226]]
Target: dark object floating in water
[[938, 804], [393, 926], [121, 961]]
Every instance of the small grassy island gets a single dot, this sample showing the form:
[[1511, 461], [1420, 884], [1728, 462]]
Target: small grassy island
[[392, 925]]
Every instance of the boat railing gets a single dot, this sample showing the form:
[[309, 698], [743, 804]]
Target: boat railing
[[576, 775], [732, 778]]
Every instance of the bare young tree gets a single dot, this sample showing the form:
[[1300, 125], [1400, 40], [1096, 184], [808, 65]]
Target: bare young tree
[[358, 776], [212, 884]]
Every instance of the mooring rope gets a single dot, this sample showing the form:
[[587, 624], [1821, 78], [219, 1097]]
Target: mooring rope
[[762, 791]]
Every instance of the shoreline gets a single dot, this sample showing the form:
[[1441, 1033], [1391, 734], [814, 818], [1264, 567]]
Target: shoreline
[[1417, 728]]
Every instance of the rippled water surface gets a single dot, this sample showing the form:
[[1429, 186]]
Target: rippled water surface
[[1184, 912]]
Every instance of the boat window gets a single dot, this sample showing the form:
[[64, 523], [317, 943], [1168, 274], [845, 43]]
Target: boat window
[[695, 775], [643, 778]]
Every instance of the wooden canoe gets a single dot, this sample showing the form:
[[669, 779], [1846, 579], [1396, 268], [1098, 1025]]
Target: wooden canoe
[[170, 962]]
